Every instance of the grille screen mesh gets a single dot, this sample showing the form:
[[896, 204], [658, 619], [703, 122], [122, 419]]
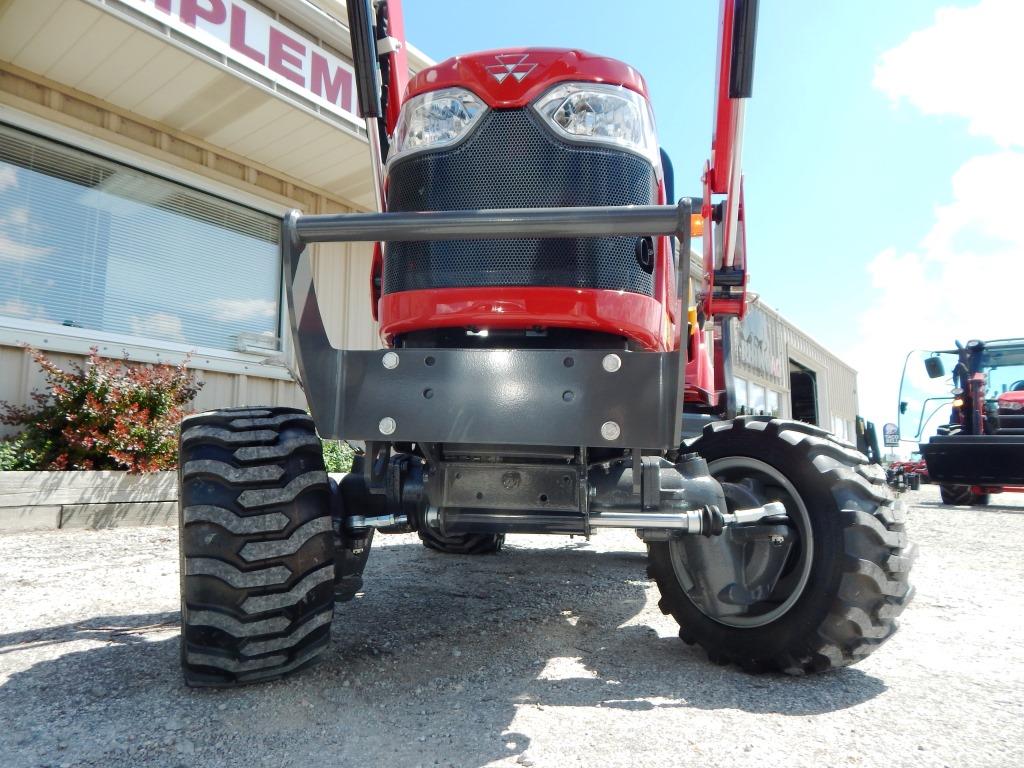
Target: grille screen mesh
[[512, 162]]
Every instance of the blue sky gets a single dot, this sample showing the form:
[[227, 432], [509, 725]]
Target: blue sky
[[854, 137]]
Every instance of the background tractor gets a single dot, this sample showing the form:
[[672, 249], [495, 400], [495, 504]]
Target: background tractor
[[978, 445], [548, 368]]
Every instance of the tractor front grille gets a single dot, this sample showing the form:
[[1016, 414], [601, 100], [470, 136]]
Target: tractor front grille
[[512, 161]]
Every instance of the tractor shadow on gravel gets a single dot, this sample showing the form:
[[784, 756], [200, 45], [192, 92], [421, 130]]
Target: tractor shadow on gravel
[[991, 507], [432, 663]]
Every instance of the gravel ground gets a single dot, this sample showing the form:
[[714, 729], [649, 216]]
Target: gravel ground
[[552, 653]]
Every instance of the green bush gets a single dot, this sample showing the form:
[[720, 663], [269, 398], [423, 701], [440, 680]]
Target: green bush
[[337, 456], [109, 415], [16, 456], [105, 414]]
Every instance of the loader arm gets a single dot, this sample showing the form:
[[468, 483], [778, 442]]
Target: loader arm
[[725, 258]]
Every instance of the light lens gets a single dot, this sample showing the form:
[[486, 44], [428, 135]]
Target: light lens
[[435, 119], [1010, 405], [603, 114]]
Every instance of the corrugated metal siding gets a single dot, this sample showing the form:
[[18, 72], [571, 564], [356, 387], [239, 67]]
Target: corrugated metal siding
[[19, 377], [342, 275]]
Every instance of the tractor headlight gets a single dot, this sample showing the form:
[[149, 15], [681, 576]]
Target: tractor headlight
[[435, 119], [601, 114]]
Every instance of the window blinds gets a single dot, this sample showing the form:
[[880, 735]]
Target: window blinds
[[89, 243]]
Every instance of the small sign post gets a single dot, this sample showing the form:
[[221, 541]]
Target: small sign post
[[891, 435]]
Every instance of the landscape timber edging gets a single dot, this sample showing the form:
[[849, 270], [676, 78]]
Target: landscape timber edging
[[48, 501], [42, 501]]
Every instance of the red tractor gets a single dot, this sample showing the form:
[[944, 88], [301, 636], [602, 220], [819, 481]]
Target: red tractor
[[1010, 406], [979, 449], [548, 368]]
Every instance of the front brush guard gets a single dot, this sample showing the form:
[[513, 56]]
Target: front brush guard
[[981, 460], [508, 396]]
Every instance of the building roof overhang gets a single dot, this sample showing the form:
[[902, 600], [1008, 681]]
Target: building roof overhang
[[132, 56]]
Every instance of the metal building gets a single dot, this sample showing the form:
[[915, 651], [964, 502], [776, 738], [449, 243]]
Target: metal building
[[781, 371]]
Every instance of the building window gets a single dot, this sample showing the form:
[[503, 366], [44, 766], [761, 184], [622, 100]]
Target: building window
[[756, 397], [92, 244], [742, 404], [772, 403], [839, 428]]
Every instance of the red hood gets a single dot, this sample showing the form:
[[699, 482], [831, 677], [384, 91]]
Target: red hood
[[513, 77], [1011, 397]]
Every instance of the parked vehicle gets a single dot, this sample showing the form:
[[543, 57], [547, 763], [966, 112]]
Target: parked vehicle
[[900, 478], [913, 466], [546, 355], [978, 449]]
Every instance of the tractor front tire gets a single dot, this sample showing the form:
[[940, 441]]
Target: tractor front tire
[[962, 495], [257, 547], [461, 543], [837, 599]]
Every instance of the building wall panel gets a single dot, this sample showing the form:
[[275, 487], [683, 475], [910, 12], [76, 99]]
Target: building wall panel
[[20, 376], [763, 347], [89, 51], [105, 78], [32, 17], [61, 30]]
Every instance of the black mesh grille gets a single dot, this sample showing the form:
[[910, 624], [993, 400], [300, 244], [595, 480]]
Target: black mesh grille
[[510, 161]]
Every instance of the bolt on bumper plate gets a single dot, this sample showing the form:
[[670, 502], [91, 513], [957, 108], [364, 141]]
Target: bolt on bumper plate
[[534, 397]]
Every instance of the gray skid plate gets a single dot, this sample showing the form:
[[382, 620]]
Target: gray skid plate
[[535, 397]]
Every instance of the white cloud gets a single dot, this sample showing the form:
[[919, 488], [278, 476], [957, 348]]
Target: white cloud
[[8, 177], [958, 284], [243, 309], [159, 325], [967, 64], [13, 226], [18, 308], [11, 250], [17, 216], [961, 279]]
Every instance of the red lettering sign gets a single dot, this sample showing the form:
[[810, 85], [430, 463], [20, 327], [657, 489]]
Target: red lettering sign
[[336, 89], [238, 36], [279, 57], [213, 11], [253, 39]]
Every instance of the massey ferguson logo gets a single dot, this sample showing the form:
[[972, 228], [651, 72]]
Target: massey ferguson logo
[[514, 64]]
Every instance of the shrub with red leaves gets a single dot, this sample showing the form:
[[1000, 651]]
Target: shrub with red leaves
[[106, 414]]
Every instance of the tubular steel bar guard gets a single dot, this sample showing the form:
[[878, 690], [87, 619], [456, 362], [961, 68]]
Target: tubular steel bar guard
[[495, 396], [488, 225]]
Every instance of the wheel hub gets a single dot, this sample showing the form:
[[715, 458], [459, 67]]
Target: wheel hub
[[753, 573]]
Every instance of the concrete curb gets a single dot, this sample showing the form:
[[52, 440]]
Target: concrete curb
[[47, 501]]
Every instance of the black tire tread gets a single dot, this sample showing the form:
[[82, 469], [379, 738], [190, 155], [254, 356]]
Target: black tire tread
[[462, 543], [873, 590], [256, 545], [962, 496]]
